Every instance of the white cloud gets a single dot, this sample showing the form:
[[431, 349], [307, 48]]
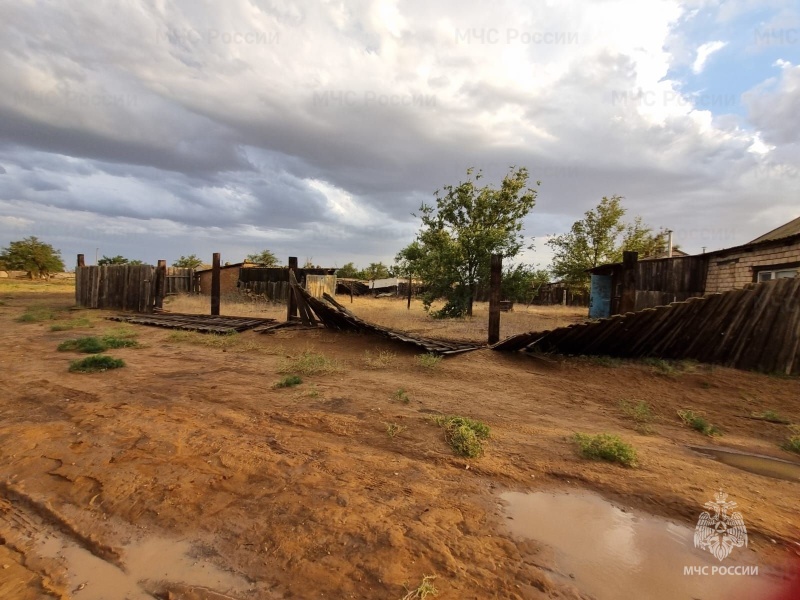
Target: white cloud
[[704, 52]]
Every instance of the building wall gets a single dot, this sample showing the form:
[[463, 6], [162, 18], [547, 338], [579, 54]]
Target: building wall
[[228, 278], [737, 269]]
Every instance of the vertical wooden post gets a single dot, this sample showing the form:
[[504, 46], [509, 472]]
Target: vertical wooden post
[[161, 285], [78, 283], [408, 304], [291, 305], [351, 292], [627, 302], [215, 285], [564, 297], [494, 298]]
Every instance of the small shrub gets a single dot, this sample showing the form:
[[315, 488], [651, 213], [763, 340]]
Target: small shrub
[[95, 364], [608, 447], [792, 444], [428, 361], [465, 436], [640, 413], [381, 360], [401, 395], [425, 589], [771, 416], [289, 381], [698, 423], [393, 429]]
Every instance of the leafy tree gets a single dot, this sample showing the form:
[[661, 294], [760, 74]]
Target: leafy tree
[[117, 260], [520, 282], [349, 271], [188, 262], [33, 256], [376, 271], [458, 236], [600, 238], [265, 258]]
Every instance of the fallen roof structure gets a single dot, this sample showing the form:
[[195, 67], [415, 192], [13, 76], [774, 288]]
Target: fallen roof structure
[[756, 328], [333, 315], [199, 323]]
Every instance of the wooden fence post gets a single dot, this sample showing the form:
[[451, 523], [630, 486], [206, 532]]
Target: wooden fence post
[[627, 301], [291, 306], [78, 287], [160, 285], [494, 298], [408, 304], [215, 285]]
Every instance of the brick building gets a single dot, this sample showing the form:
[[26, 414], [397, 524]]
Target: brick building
[[773, 255]]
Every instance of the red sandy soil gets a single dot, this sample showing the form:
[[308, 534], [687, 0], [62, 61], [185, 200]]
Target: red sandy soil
[[301, 492]]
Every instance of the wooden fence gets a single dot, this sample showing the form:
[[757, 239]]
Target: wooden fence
[[756, 328], [139, 288]]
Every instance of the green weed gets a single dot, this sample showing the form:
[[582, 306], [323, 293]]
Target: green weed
[[79, 323], [289, 381], [310, 363], [465, 436], [698, 423], [604, 446], [37, 314], [792, 444], [640, 413], [381, 360], [428, 361], [96, 363], [423, 591], [393, 429], [771, 416], [401, 396], [95, 345]]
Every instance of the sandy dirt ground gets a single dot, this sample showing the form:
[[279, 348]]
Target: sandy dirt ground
[[300, 492]]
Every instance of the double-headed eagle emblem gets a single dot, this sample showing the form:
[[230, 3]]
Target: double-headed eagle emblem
[[719, 531]]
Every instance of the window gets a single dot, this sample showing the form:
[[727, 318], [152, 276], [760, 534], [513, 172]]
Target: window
[[778, 274]]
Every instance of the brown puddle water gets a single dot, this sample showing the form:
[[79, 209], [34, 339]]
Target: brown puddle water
[[148, 563], [613, 554], [754, 463]]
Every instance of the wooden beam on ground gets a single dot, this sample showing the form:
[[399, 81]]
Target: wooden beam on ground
[[215, 276], [494, 298]]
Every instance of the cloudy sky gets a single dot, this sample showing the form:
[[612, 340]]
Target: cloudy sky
[[158, 128]]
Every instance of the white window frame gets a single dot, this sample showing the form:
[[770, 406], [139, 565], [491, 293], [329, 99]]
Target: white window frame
[[777, 274]]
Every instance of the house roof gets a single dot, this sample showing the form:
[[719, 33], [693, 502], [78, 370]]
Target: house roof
[[785, 230]]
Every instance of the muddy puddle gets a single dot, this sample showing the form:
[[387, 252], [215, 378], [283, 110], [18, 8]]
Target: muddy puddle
[[614, 554], [753, 463], [150, 566]]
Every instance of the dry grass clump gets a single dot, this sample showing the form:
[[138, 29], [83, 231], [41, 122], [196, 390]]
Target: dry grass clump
[[310, 363], [466, 436], [382, 360], [605, 446]]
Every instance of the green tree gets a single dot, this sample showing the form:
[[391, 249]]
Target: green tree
[[117, 260], [520, 282], [376, 271], [458, 236], [348, 271], [188, 262], [600, 238], [265, 258], [33, 256]]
